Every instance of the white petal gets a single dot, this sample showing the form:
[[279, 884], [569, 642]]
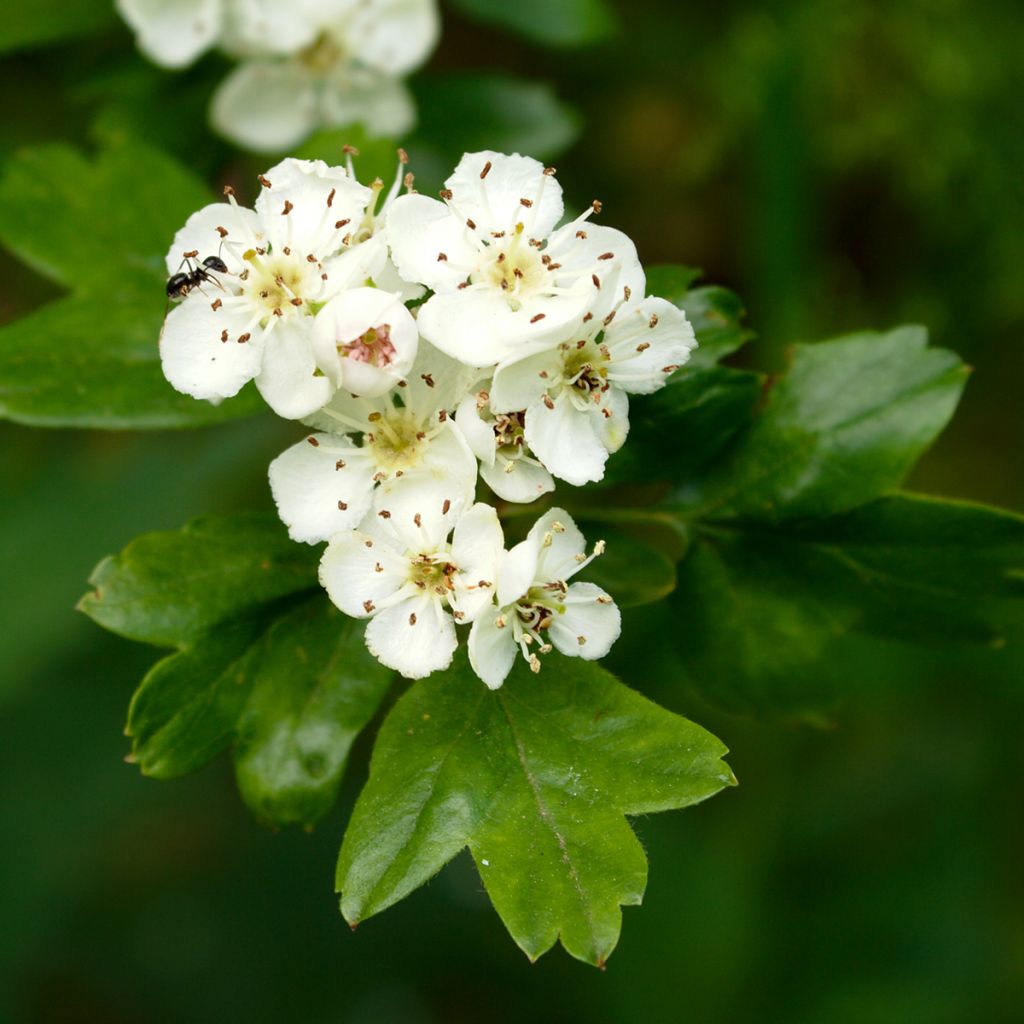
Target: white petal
[[323, 489], [323, 205], [266, 106], [421, 508], [196, 359], [560, 545], [414, 637], [648, 341], [359, 572], [493, 197], [604, 253], [436, 381], [420, 231], [394, 36], [612, 429], [352, 95], [565, 441], [478, 432], [173, 33], [588, 627], [201, 234], [289, 380], [347, 318], [478, 327], [492, 651], [477, 547], [518, 570], [517, 480], [357, 266], [269, 26], [519, 383]]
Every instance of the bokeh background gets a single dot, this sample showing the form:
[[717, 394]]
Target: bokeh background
[[839, 163]]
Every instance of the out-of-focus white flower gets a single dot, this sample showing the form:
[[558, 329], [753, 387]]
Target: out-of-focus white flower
[[505, 279], [575, 394], [537, 608], [400, 571], [352, 73], [372, 451], [507, 465]]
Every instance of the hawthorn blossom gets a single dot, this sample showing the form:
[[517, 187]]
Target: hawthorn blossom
[[369, 450], [505, 280], [507, 465], [309, 238], [400, 571], [576, 393], [174, 33], [537, 609], [351, 73]]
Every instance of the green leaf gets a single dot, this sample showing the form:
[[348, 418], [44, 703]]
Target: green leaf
[[756, 609], [290, 693], [566, 23], [671, 281], [47, 21], [682, 427], [536, 779], [99, 229], [170, 588], [316, 686], [471, 112], [845, 424]]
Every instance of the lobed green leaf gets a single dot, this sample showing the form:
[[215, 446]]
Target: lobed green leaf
[[844, 425], [535, 779]]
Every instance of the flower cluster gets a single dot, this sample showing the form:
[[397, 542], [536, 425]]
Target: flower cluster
[[304, 65], [427, 342]]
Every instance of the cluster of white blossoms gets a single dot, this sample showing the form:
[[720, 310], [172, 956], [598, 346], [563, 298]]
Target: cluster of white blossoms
[[427, 342], [304, 65]]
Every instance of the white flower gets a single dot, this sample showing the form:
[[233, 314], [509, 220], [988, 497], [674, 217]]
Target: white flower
[[538, 609], [303, 244], [365, 340], [400, 571], [174, 33], [507, 465], [372, 450], [505, 280], [351, 73], [575, 394]]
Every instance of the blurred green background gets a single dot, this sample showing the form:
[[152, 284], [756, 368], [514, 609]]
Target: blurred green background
[[841, 164]]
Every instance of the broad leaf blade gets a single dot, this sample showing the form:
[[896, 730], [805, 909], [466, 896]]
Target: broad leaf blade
[[845, 424], [170, 588], [534, 778], [315, 688], [92, 361], [46, 21]]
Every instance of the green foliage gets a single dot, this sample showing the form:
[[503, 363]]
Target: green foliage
[[843, 425], [100, 230], [563, 24], [535, 779], [48, 21], [289, 687]]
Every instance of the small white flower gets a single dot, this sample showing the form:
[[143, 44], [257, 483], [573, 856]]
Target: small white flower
[[575, 395], [507, 465], [351, 72], [504, 278], [537, 608], [312, 235], [400, 571], [372, 451]]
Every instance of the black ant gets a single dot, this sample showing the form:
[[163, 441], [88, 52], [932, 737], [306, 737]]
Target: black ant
[[181, 283]]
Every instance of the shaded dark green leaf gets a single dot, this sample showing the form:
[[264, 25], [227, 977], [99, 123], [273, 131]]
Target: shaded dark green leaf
[[536, 779], [47, 21], [170, 588], [633, 571], [565, 23], [845, 424]]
